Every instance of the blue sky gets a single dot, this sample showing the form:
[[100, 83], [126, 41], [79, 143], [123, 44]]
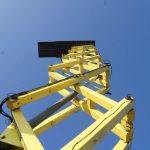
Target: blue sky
[[121, 29]]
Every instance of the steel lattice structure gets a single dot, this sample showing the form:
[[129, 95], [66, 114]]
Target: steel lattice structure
[[84, 72]]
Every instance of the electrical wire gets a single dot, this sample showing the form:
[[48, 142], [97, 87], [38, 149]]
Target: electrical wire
[[97, 126], [2, 112]]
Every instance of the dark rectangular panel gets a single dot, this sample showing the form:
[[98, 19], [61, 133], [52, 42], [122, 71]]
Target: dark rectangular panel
[[57, 48]]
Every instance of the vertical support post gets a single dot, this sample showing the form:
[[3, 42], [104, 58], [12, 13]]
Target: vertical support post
[[52, 79], [105, 79], [81, 69], [28, 137], [90, 104], [127, 123]]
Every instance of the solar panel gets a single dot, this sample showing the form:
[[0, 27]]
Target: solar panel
[[57, 48]]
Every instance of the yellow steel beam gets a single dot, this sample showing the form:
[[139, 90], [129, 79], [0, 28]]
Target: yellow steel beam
[[92, 64], [85, 60], [45, 91], [88, 93], [117, 111], [94, 133], [130, 116], [98, 98], [96, 114], [82, 48], [63, 65], [77, 54], [55, 119], [105, 76], [28, 137], [118, 129], [96, 60], [71, 63], [10, 136], [127, 123], [89, 67], [74, 71], [104, 81], [121, 145]]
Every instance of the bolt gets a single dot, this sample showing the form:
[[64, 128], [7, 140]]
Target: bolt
[[3, 137], [129, 97]]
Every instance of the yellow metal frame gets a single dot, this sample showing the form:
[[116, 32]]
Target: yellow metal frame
[[85, 63]]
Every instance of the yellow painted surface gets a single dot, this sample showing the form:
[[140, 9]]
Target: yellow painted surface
[[121, 145], [96, 132], [28, 137], [11, 136], [45, 91], [86, 64], [55, 119]]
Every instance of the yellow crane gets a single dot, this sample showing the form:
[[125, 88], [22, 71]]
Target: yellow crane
[[85, 73]]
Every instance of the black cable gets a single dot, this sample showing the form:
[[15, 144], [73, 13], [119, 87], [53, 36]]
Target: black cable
[[2, 112], [98, 126], [12, 96]]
